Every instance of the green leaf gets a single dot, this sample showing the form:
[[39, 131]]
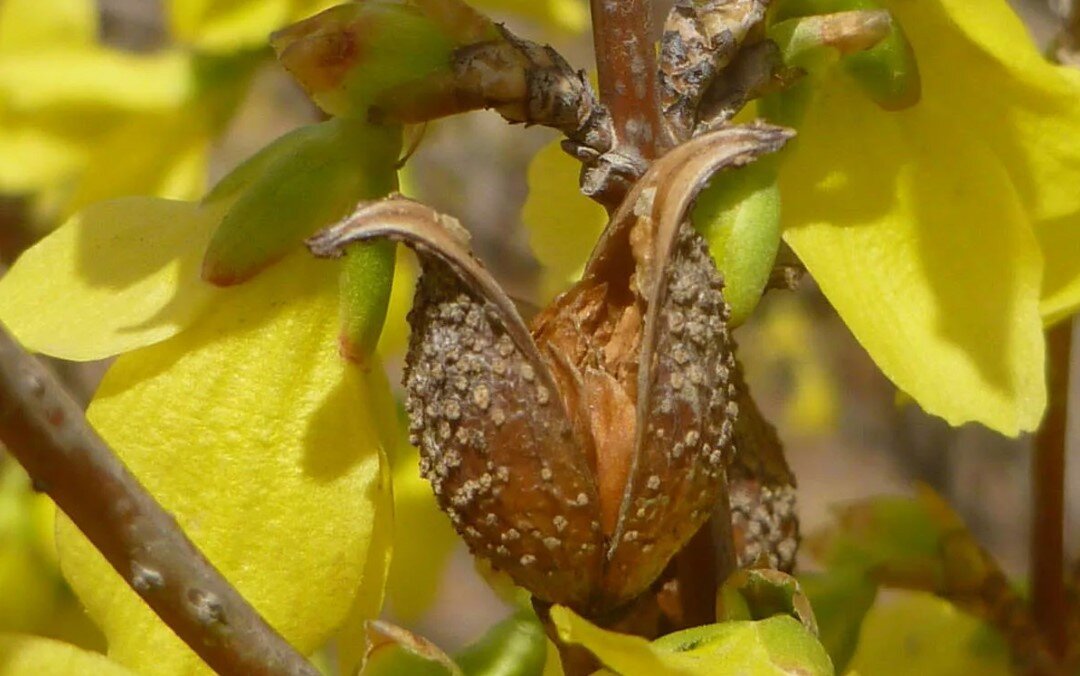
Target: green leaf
[[869, 534], [921, 544], [303, 183], [776, 646], [517, 646], [348, 55], [739, 216]]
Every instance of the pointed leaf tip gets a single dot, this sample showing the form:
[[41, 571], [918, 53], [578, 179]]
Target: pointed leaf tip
[[304, 181]]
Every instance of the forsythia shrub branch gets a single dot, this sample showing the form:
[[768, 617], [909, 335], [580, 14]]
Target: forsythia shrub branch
[[46, 431]]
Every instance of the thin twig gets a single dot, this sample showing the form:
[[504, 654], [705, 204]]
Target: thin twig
[[45, 430], [1048, 489], [627, 70]]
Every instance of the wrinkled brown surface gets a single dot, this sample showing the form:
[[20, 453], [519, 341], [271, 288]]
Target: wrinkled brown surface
[[700, 38], [579, 457], [595, 328], [685, 420], [497, 446]]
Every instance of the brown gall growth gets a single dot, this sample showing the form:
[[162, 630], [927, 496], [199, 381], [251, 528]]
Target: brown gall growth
[[580, 454]]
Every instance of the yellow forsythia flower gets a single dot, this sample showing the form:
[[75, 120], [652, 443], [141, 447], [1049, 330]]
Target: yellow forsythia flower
[[232, 406], [945, 234], [75, 115]]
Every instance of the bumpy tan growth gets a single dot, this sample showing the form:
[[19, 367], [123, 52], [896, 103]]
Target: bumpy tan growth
[[496, 445], [581, 457]]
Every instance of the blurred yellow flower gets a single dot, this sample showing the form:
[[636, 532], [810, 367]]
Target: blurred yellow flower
[[946, 233], [75, 115], [24, 655], [231, 405]]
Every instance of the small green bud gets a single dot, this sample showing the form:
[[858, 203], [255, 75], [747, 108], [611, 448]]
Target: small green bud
[[348, 55], [286, 145], [881, 61], [300, 184], [808, 42], [367, 275], [739, 216], [888, 73]]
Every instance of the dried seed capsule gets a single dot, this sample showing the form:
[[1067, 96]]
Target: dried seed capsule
[[581, 458], [502, 458], [685, 403]]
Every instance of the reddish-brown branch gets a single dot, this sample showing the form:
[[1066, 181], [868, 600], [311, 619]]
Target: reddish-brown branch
[[45, 430], [697, 572], [1048, 489], [627, 70]]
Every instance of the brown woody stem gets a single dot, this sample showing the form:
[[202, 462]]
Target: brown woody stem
[[697, 572], [1048, 491], [46, 431], [627, 70]]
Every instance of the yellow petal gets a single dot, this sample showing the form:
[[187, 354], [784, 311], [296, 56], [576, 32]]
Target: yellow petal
[[395, 332], [260, 439], [220, 26], [552, 661], [37, 153], [351, 637], [423, 541], [22, 655], [1025, 109], [124, 162], [569, 15], [29, 582], [779, 349], [33, 596], [773, 647], [117, 276], [94, 78], [628, 655], [302, 9], [916, 634], [30, 24], [563, 224], [917, 237]]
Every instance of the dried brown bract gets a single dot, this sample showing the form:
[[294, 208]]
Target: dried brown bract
[[523, 81], [701, 38], [581, 453]]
